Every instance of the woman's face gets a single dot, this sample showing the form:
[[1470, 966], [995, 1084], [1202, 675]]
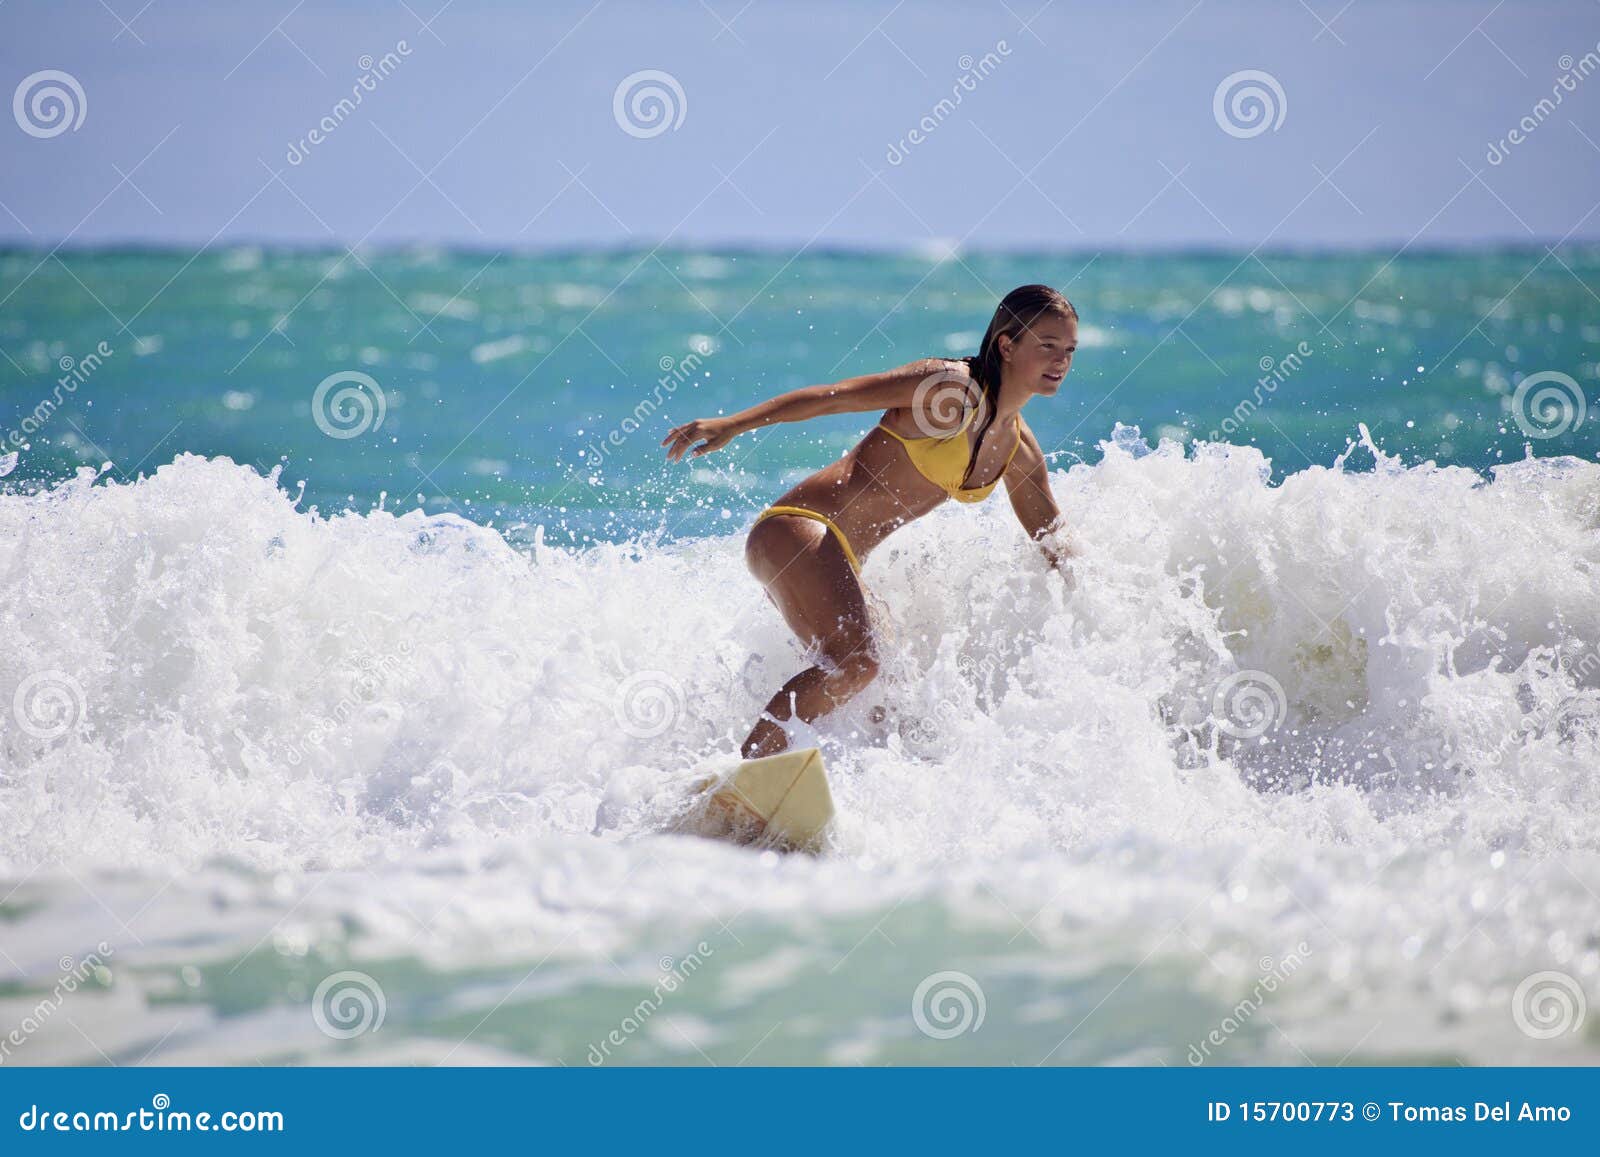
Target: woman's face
[[1039, 357]]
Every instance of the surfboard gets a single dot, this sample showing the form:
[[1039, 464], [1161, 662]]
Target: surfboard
[[780, 801]]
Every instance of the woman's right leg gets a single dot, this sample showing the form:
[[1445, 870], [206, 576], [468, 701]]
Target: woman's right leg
[[806, 574]]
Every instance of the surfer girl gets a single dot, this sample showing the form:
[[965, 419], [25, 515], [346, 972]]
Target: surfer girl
[[950, 429]]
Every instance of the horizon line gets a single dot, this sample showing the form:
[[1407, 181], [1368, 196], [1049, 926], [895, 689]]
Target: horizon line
[[930, 250]]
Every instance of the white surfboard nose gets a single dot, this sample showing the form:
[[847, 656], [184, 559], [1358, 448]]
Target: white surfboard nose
[[779, 801]]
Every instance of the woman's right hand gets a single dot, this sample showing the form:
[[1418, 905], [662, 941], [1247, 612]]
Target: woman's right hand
[[710, 434]]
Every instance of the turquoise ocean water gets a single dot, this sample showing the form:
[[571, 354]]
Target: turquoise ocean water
[[505, 377], [346, 715]]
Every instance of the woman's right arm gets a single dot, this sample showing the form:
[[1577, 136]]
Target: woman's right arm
[[880, 391]]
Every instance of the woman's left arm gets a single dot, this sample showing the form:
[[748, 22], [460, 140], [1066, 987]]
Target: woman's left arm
[[1028, 485]]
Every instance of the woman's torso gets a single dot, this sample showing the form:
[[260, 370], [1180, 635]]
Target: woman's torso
[[875, 488]]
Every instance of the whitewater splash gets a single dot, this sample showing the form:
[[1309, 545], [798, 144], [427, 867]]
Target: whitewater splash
[[1356, 713]]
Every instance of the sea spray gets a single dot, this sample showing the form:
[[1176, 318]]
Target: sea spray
[[1080, 810]]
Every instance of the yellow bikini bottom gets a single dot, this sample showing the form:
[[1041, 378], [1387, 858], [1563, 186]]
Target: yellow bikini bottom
[[844, 543]]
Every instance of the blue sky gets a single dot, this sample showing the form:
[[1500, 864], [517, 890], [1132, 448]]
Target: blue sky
[[1096, 125]]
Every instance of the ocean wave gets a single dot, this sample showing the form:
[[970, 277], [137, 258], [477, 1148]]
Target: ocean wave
[[220, 673], [1348, 720]]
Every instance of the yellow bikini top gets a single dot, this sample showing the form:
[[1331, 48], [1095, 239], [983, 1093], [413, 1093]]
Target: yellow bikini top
[[944, 460]]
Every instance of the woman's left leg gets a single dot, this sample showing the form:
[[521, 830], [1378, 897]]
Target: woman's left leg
[[813, 584]]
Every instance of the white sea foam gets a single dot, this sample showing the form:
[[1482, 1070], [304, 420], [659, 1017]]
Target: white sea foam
[[400, 736]]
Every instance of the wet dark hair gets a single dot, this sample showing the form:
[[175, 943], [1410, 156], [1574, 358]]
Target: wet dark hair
[[1017, 311]]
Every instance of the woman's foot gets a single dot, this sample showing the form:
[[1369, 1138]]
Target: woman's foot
[[766, 738]]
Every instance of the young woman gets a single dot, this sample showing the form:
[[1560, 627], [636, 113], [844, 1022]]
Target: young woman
[[950, 429]]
